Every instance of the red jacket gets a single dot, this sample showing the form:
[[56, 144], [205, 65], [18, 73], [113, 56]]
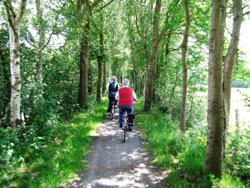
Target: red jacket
[[125, 96]]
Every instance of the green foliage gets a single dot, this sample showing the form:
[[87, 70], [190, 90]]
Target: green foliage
[[192, 156], [227, 181], [241, 83], [4, 77], [161, 135], [48, 164], [184, 155], [237, 159]]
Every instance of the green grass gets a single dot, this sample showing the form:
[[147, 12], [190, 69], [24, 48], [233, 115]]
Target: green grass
[[181, 156], [161, 135], [62, 159]]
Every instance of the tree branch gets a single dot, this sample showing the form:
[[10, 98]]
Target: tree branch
[[9, 10], [21, 12], [95, 4], [246, 13], [54, 27], [104, 6]]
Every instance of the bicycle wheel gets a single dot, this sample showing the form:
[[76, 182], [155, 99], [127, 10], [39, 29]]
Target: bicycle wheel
[[125, 133]]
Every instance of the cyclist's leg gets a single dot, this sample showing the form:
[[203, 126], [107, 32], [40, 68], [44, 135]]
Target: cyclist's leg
[[131, 120], [110, 105], [121, 111]]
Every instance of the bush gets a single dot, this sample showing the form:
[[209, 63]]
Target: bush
[[237, 157]]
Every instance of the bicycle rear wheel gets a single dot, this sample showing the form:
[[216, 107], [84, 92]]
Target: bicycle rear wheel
[[125, 133]]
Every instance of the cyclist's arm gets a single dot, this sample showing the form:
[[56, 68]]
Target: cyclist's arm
[[117, 96], [134, 96]]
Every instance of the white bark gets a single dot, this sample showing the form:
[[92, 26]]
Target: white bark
[[14, 26]]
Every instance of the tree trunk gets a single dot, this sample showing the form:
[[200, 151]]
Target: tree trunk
[[99, 79], [90, 79], [100, 62], [213, 162], [184, 69], [83, 84], [84, 53], [41, 42], [14, 26], [153, 59], [104, 78], [230, 61], [141, 82]]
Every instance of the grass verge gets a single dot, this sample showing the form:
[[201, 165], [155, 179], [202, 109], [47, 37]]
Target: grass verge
[[59, 161], [182, 156]]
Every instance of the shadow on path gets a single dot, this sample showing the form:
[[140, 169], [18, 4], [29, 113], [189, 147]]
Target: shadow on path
[[113, 164]]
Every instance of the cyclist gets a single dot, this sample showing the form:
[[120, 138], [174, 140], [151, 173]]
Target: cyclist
[[112, 90], [126, 97]]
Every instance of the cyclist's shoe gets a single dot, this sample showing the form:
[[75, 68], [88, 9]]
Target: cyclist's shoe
[[109, 114], [120, 125]]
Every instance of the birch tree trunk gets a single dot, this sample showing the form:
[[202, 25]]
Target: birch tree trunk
[[230, 61], [184, 69], [215, 119], [14, 22]]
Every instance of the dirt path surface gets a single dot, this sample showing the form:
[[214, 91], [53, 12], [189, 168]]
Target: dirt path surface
[[113, 164]]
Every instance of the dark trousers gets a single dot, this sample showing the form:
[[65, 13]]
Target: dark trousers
[[110, 103], [130, 109]]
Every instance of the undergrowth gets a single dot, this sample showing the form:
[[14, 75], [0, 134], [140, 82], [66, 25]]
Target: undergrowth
[[183, 156], [52, 163]]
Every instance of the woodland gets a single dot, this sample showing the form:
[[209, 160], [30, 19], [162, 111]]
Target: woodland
[[182, 58]]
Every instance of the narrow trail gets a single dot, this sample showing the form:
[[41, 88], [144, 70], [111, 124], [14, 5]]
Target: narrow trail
[[113, 164]]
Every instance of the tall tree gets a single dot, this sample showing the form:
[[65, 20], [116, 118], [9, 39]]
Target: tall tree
[[85, 10], [184, 46], [213, 161], [230, 59], [84, 51], [14, 22], [153, 59], [100, 61]]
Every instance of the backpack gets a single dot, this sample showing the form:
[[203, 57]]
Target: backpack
[[112, 89]]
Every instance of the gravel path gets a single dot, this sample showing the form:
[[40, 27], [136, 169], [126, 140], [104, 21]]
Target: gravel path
[[113, 164]]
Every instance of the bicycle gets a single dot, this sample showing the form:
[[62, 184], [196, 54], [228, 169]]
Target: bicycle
[[127, 124]]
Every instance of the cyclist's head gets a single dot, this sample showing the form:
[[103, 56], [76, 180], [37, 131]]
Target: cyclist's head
[[113, 79], [125, 82]]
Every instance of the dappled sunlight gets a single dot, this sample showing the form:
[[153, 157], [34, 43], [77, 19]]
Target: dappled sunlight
[[112, 163], [139, 176]]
